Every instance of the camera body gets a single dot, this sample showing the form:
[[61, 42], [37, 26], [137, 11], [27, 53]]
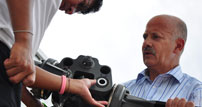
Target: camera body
[[89, 67], [82, 67]]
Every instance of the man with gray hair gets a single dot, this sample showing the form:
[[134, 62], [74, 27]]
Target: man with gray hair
[[164, 40]]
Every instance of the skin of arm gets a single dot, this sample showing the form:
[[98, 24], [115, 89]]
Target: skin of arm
[[20, 65], [75, 86]]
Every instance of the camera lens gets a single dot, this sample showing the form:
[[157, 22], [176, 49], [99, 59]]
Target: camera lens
[[102, 82]]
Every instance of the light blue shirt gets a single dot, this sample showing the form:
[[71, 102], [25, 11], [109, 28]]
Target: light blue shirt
[[169, 85]]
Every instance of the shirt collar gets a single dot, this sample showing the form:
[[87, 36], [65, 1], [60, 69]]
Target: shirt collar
[[175, 73], [142, 75]]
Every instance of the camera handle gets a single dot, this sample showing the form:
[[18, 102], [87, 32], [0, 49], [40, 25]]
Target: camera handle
[[120, 98]]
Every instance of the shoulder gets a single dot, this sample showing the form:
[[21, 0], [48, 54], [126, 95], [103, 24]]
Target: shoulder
[[196, 90], [195, 83]]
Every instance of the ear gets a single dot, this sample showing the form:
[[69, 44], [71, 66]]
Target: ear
[[179, 45]]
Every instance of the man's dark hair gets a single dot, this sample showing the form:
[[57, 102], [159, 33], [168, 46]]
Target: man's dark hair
[[94, 8]]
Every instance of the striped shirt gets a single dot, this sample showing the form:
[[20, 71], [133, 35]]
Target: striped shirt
[[169, 85]]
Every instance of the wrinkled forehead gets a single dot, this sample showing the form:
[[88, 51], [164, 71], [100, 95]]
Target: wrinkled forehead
[[162, 24]]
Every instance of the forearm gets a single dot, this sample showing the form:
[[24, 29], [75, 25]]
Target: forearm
[[21, 17], [46, 80], [50, 81], [21, 14]]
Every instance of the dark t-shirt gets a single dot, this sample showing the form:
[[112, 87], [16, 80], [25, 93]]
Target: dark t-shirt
[[10, 94]]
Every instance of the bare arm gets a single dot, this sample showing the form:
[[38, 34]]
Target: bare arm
[[20, 65], [20, 13], [46, 80]]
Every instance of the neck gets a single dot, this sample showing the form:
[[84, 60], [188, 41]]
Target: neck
[[153, 73]]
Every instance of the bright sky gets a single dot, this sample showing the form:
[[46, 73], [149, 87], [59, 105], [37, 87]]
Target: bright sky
[[114, 35]]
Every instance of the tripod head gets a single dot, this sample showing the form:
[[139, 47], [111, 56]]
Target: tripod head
[[89, 67]]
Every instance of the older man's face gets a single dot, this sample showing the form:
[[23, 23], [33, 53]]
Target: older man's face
[[158, 43]]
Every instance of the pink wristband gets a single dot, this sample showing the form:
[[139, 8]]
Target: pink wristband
[[62, 89]]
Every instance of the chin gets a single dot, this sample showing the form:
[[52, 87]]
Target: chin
[[149, 63]]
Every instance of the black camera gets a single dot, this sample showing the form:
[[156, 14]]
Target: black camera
[[82, 67], [89, 67]]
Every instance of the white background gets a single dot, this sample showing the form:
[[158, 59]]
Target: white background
[[114, 35]]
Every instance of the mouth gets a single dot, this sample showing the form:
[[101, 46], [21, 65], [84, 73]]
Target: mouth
[[148, 53]]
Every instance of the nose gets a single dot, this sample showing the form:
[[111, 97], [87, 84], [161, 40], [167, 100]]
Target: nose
[[147, 43], [71, 10]]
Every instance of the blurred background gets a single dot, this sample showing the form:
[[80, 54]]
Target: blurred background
[[114, 35]]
